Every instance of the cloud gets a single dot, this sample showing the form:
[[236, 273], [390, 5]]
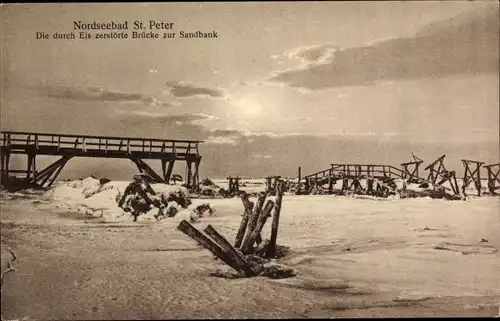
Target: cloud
[[466, 44], [185, 90], [298, 119], [262, 156], [178, 119], [219, 140], [315, 54], [99, 94], [235, 136]]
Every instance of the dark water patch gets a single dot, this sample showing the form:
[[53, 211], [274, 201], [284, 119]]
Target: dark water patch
[[392, 304], [111, 225], [76, 216], [467, 248], [173, 250], [328, 288]]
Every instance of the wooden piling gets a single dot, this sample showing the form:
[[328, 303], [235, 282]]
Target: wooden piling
[[266, 212], [230, 251], [255, 216], [207, 243], [271, 249], [244, 220]]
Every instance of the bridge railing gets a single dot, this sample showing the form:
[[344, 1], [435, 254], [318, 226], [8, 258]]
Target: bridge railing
[[85, 143], [358, 170]]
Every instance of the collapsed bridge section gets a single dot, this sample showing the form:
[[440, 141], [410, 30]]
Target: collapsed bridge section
[[68, 146]]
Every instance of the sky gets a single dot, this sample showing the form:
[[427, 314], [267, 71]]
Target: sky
[[283, 85]]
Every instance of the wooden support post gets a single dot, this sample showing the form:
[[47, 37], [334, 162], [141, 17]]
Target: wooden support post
[[230, 251], [207, 243], [330, 181], [197, 174], [28, 169], [188, 176], [271, 249], [299, 178], [478, 179], [369, 183], [255, 215], [164, 169], [244, 220], [250, 240], [34, 168], [2, 164], [170, 168], [345, 183]]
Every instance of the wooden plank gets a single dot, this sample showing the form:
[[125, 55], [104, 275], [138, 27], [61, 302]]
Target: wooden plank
[[230, 250], [271, 249], [207, 243], [266, 212], [244, 220], [255, 215]]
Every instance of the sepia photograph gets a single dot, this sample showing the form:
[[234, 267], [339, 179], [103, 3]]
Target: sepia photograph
[[222, 160]]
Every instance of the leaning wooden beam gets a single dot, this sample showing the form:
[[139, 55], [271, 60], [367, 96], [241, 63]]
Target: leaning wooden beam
[[271, 249], [58, 171], [244, 220], [266, 212], [230, 251], [143, 167], [255, 215], [207, 243]]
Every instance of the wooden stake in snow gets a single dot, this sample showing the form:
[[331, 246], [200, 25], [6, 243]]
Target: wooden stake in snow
[[271, 249], [230, 251], [207, 243], [255, 216], [244, 220], [248, 243]]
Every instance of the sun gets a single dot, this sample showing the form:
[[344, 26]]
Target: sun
[[248, 107]]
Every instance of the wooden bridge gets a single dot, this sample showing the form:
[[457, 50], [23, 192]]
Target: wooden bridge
[[358, 171], [438, 174], [69, 146]]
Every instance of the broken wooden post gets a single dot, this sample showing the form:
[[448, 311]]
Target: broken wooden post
[[207, 243], [266, 212], [244, 220], [230, 250], [271, 249], [255, 216]]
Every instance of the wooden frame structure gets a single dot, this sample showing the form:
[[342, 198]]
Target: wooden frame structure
[[493, 177], [471, 175], [410, 169], [234, 185], [69, 146], [442, 174]]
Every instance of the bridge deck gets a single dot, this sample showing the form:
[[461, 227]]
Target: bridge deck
[[99, 146], [69, 146]]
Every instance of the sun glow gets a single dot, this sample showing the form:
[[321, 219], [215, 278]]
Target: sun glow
[[248, 107]]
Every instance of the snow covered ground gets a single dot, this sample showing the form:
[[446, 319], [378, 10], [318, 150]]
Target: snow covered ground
[[412, 248]]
